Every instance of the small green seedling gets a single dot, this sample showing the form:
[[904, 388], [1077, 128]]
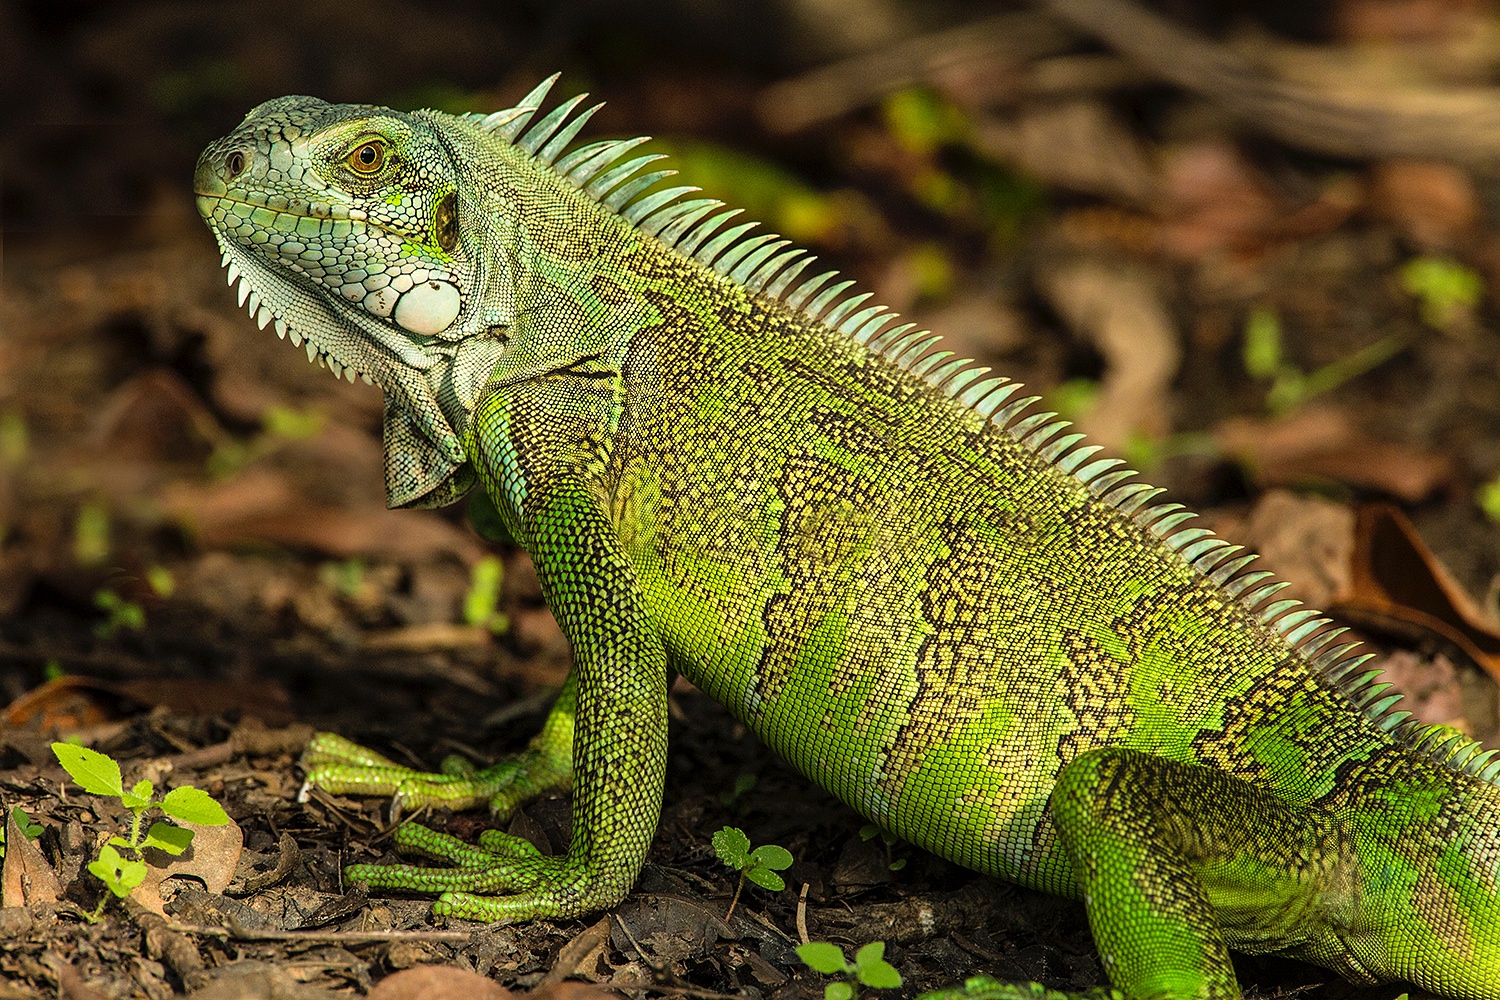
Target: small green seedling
[[742, 784], [1445, 290], [870, 831], [759, 866], [119, 614], [31, 830], [1488, 498], [869, 968], [1290, 385], [99, 774], [482, 602]]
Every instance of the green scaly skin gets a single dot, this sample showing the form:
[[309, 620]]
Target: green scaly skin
[[957, 621]]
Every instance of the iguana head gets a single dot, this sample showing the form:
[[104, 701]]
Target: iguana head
[[343, 226]]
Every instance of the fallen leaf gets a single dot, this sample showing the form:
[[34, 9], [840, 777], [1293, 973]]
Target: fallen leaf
[[1434, 204], [1405, 20], [1119, 310], [580, 956], [67, 703], [1306, 540], [439, 982], [1322, 442], [1077, 146], [262, 505], [1212, 200], [1397, 585], [211, 858], [26, 877]]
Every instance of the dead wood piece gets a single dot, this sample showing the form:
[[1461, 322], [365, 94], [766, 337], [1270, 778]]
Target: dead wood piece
[[1458, 125], [162, 942], [1007, 39]]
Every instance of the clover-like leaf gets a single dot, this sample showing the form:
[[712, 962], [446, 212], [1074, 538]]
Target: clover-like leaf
[[765, 878], [732, 847], [194, 805], [871, 968], [93, 771], [771, 856], [821, 956], [166, 837]]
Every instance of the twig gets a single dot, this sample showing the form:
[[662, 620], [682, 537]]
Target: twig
[[236, 932], [838, 88], [1460, 125], [802, 914]]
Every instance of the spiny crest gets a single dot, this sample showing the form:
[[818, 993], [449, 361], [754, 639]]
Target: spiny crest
[[769, 265], [250, 299]]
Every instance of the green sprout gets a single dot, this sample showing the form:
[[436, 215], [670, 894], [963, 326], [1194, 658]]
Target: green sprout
[[14, 438], [91, 534], [119, 614], [1446, 291], [759, 865], [99, 774], [482, 602], [870, 831], [29, 829], [1488, 497], [869, 968], [1290, 386], [346, 576], [742, 784]]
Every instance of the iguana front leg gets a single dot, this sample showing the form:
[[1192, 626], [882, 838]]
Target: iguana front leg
[[337, 765], [618, 717]]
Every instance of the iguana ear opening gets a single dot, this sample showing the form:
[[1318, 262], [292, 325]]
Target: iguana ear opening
[[417, 473]]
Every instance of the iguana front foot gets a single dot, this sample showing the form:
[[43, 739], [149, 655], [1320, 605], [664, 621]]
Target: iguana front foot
[[985, 988], [342, 767], [500, 862]]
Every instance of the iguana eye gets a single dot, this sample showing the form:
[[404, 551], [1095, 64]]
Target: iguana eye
[[367, 158]]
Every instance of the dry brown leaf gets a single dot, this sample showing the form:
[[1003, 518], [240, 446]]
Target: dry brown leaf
[[157, 416], [1322, 442], [1434, 204], [71, 703], [211, 858], [26, 877], [1213, 200], [438, 982], [1120, 311], [1398, 585], [263, 505], [1404, 20], [580, 956], [1077, 146], [1306, 540]]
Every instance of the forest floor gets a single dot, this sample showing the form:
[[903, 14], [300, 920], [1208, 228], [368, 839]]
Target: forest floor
[[197, 570]]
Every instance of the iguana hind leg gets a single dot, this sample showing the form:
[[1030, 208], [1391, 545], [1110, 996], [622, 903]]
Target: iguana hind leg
[[1177, 863]]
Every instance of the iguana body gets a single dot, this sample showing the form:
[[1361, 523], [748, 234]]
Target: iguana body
[[937, 607]]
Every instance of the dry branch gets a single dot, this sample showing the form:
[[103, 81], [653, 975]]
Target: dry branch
[[1459, 125]]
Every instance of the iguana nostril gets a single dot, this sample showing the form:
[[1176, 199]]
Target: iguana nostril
[[234, 164]]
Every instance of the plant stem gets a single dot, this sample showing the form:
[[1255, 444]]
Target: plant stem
[[735, 901]]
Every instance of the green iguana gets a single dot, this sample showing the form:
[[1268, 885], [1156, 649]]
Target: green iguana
[[936, 604]]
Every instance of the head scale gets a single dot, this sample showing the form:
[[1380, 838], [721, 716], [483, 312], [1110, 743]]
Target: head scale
[[342, 225]]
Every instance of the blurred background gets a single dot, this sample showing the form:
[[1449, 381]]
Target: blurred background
[[1252, 247]]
